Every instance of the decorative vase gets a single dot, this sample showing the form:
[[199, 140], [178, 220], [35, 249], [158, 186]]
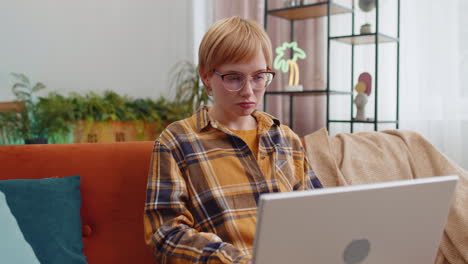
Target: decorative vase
[[366, 5]]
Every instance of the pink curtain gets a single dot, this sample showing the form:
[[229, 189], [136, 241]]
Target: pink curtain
[[308, 111], [249, 9]]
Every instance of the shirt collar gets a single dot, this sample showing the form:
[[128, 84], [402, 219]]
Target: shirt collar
[[265, 121]]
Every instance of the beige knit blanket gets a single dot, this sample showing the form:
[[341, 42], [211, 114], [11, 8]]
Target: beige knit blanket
[[370, 157]]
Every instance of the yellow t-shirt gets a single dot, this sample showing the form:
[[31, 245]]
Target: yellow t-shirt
[[250, 137]]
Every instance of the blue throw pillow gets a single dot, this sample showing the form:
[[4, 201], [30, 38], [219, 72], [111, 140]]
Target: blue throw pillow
[[48, 213], [13, 247]]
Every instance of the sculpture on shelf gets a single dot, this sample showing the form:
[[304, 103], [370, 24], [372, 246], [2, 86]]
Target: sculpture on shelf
[[366, 28], [289, 65], [366, 6], [363, 87]]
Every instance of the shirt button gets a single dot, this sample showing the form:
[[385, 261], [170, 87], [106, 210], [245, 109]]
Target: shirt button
[[86, 231]]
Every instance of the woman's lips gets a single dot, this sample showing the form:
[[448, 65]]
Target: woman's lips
[[246, 105]]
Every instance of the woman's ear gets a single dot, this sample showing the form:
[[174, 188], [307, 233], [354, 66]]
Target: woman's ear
[[205, 80], [207, 83]]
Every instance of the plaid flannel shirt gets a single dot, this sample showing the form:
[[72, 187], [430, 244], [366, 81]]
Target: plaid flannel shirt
[[204, 185]]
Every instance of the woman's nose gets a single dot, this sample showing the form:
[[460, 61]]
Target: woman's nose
[[247, 89]]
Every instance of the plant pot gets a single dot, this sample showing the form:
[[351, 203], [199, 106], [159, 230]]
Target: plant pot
[[114, 131], [36, 141], [366, 29]]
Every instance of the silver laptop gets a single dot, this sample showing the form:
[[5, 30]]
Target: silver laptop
[[393, 222]]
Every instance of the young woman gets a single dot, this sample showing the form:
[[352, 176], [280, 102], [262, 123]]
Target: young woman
[[208, 171]]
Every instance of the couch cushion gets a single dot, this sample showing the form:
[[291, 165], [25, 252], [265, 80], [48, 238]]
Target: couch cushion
[[48, 213], [13, 246]]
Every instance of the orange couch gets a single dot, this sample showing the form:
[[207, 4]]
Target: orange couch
[[113, 184]]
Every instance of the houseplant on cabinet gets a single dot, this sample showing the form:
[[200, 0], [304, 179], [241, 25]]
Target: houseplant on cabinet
[[36, 120]]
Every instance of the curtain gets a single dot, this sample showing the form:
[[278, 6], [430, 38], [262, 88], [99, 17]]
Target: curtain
[[434, 74]]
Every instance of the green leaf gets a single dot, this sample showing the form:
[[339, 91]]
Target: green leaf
[[22, 77], [39, 86], [185, 81], [20, 85], [23, 96]]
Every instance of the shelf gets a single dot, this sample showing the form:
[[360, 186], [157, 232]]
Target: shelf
[[365, 39], [308, 92], [14, 107], [309, 11], [365, 122], [326, 9]]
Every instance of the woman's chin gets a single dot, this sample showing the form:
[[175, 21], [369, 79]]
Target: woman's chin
[[246, 112]]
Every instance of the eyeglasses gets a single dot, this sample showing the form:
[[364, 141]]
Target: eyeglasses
[[236, 81]]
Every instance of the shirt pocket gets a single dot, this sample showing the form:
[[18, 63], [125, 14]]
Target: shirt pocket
[[284, 168]]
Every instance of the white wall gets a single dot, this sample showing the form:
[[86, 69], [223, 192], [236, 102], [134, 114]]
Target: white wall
[[202, 19], [128, 46]]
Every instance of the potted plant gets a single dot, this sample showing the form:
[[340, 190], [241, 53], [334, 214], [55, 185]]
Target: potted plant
[[366, 28], [36, 120], [190, 91], [111, 117], [95, 114], [94, 117]]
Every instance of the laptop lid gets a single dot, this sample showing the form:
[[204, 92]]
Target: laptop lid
[[391, 222]]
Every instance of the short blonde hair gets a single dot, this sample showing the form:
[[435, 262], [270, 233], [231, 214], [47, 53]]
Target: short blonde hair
[[232, 40]]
